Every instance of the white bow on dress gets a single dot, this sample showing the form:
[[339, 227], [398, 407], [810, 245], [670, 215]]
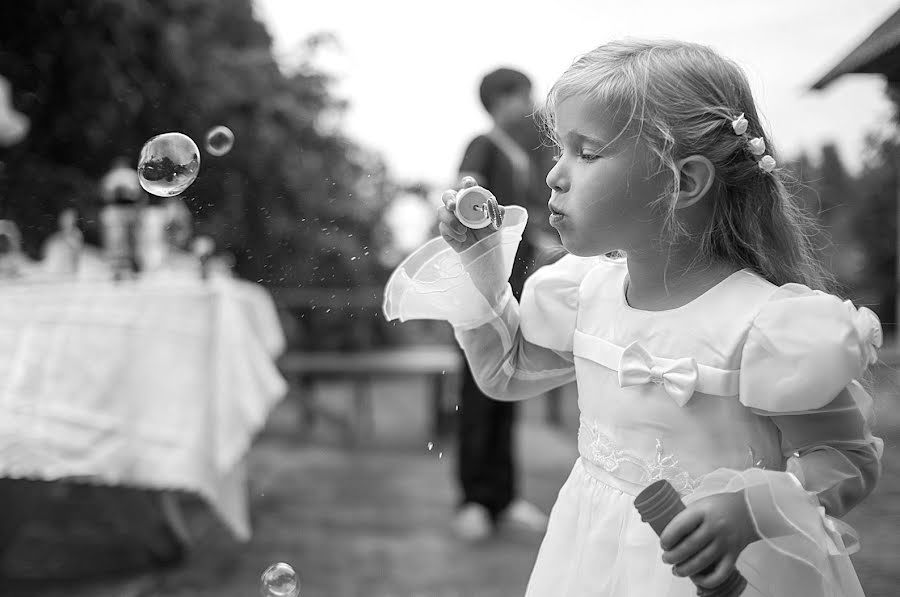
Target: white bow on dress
[[678, 378]]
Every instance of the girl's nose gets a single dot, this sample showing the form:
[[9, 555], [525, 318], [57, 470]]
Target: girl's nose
[[556, 179]]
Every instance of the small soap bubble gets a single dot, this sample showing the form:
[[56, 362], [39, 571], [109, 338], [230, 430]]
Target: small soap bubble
[[430, 446], [169, 163], [219, 140], [279, 580]]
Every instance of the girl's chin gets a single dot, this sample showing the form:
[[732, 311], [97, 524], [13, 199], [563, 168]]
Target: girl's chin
[[579, 250]]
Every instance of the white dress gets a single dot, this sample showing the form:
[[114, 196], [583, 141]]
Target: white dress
[[750, 386]]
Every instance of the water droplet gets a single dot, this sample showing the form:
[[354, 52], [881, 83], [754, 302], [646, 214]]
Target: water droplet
[[430, 446], [168, 164], [219, 140]]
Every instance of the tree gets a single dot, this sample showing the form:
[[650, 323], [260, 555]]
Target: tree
[[834, 184], [874, 223], [293, 200]]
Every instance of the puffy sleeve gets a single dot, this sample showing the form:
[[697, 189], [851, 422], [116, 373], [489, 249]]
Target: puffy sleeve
[[804, 354], [803, 348], [550, 302], [513, 351]]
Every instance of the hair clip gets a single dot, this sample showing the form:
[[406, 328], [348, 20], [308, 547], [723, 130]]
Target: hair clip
[[767, 163], [740, 125], [757, 146]]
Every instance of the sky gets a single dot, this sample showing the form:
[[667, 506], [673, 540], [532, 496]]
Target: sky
[[410, 69]]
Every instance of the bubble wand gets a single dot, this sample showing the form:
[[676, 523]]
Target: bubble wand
[[477, 208], [658, 504]]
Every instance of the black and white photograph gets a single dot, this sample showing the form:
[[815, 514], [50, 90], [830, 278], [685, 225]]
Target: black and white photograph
[[464, 299]]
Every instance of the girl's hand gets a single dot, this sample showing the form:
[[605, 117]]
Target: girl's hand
[[457, 235], [708, 536]]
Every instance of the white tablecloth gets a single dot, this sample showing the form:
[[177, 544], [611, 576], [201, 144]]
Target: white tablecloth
[[155, 384]]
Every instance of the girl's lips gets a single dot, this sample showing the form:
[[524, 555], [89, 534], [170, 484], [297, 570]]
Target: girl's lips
[[556, 216]]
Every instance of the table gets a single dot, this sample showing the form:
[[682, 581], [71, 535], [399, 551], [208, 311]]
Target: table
[[158, 383]]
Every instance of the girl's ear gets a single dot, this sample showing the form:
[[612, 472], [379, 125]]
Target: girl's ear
[[697, 176]]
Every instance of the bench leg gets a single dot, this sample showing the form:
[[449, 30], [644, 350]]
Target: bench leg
[[307, 399], [553, 403], [442, 387], [363, 410]]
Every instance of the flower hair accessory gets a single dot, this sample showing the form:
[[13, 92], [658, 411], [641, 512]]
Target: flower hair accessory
[[767, 163], [740, 125], [756, 146]]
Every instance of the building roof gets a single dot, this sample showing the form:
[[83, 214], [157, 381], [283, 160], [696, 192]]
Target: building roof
[[877, 54]]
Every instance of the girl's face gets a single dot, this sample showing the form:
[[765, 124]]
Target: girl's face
[[601, 186]]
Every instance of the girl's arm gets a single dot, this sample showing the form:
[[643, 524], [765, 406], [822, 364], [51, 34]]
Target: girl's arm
[[803, 347], [505, 364], [831, 450], [514, 351]]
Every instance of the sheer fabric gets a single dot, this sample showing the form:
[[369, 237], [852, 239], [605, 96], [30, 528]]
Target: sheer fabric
[[749, 387]]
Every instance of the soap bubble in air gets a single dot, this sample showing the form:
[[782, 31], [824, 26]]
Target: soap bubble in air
[[279, 580], [219, 140], [169, 163]]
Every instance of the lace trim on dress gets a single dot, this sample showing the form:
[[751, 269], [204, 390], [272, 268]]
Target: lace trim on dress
[[604, 453], [608, 456]]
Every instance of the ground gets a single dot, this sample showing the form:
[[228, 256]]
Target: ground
[[373, 520]]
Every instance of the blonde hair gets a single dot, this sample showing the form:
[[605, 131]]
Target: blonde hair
[[680, 99]]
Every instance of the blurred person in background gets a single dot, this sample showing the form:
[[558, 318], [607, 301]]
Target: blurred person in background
[[122, 197], [14, 263], [512, 161], [13, 124], [61, 252]]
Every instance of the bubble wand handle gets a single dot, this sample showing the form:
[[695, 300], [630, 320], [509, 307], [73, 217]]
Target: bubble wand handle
[[658, 504]]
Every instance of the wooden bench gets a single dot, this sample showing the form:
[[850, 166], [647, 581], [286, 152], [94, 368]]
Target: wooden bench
[[439, 364]]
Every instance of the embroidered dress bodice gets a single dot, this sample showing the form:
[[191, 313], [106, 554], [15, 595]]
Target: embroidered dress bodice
[[640, 432]]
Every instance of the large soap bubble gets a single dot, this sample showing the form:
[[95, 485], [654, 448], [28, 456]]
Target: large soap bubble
[[219, 140], [279, 580], [169, 163]]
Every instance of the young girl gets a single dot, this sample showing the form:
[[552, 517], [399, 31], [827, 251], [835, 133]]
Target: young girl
[[708, 356]]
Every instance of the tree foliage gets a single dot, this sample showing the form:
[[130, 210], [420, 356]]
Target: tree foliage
[[294, 200], [859, 215]]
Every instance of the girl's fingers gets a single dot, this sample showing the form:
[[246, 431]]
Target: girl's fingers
[[682, 525], [468, 181], [700, 561], [447, 217], [715, 578], [448, 232], [448, 198], [687, 547]]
